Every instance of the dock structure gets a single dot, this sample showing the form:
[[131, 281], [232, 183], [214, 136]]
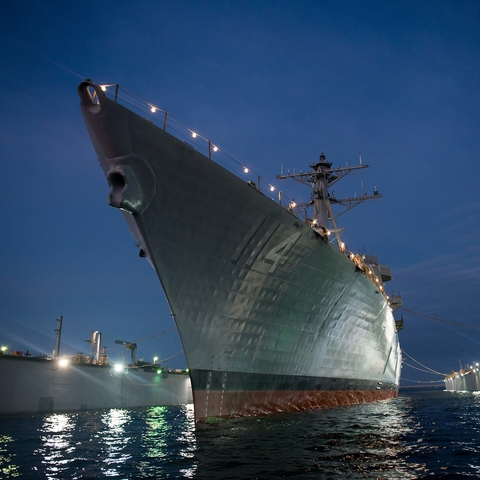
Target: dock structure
[[39, 385]]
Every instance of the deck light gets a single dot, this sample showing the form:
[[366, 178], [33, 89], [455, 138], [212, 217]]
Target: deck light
[[104, 88], [194, 135], [63, 362], [215, 149], [272, 188], [153, 109], [245, 169]]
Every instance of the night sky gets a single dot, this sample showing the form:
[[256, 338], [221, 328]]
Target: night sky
[[272, 83]]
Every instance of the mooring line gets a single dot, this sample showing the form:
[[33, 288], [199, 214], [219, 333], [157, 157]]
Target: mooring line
[[425, 382], [430, 370], [439, 319]]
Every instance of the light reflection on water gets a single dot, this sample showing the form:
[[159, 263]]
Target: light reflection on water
[[154, 442], [188, 441], [57, 449], [157, 441], [8, 467], [413, 436], [114, 440], [364, 441]]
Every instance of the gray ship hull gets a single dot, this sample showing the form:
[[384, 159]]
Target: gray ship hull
[[271, 317], [43, 386]]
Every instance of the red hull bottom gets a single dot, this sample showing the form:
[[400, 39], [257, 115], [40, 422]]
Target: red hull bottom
[[210, 405]]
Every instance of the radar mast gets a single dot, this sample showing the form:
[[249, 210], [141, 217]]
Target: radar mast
[[321, 178]]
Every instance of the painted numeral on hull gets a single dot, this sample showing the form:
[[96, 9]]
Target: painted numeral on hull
[[247, 239], [278, 254], [261, 244]]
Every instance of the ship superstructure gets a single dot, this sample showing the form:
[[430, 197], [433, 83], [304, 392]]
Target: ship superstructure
[[467, 379], [273, 316]]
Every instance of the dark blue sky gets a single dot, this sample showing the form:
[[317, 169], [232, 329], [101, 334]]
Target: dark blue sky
[[272, 83]]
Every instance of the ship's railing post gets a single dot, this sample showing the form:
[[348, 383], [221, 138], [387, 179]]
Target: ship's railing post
[[89, 95]]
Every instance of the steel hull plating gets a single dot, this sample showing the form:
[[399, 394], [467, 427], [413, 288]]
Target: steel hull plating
[[270, 316]]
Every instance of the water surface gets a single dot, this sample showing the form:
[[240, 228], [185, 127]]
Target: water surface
[[422, 434]]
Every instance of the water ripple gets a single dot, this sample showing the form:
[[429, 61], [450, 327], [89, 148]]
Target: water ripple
[[420, 435]]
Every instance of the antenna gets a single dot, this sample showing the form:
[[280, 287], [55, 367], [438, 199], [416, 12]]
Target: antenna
[[360, 154], [58, 331], [320, 179]]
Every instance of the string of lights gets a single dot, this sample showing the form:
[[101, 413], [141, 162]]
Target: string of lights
[[152, 111], [212, 149]]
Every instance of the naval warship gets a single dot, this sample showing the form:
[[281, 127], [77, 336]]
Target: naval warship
[[273, 311]]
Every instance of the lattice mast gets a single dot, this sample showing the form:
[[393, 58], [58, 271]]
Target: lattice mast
[[321, 179]]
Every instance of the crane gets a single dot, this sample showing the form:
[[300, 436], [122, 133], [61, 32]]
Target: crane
[[129, 346]]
